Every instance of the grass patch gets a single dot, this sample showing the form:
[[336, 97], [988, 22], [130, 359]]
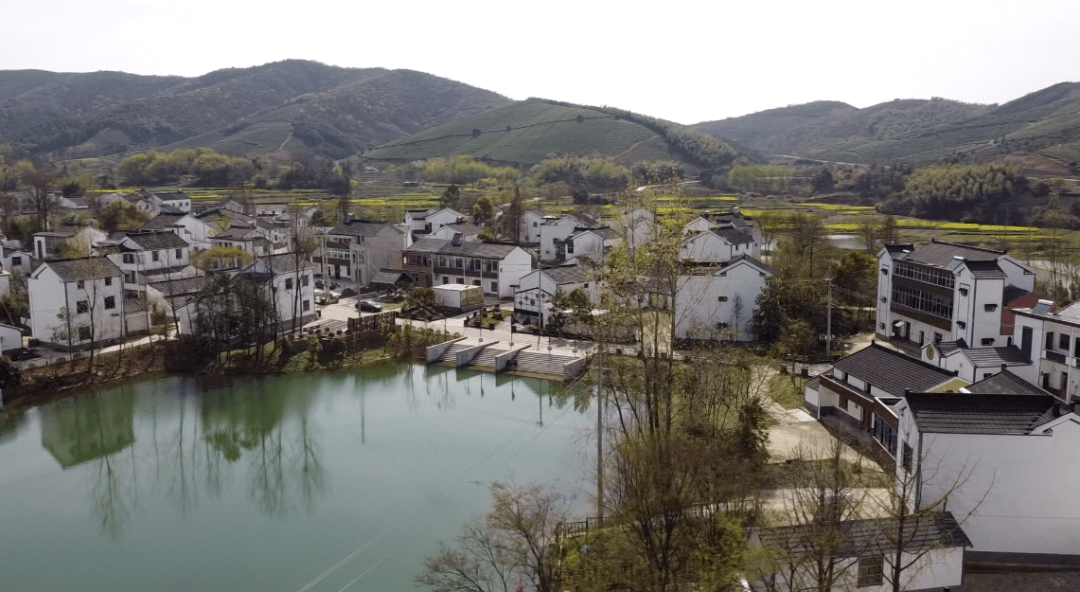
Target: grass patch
[[787, 390]]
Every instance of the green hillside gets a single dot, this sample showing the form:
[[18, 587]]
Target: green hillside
[[291, 108], [527, 132]]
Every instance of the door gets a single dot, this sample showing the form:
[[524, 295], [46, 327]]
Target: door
[[1025, 342]]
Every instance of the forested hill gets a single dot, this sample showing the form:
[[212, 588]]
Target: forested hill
[[291, 107], [527, 132], [1042, 127]]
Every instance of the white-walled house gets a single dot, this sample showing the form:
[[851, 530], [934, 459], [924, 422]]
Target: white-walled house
[[176, 202], [428, 221], [591, 243], [76, 302], [555, 230], [978, 363], [538, 288], [147, 256], [291, 285], [1051, 340], [530, 226], [356, 250], [947, 292], [719, 303], [717, 245], [1011, 453], [932, 556], [497, 267], [51, 244], [11, 338], [862, 390], [19, 261], [469, 232], [195, 231]]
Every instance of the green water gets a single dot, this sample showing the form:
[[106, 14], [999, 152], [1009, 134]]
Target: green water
[[267, 483]]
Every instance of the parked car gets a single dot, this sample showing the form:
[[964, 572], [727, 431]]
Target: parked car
[[347, 292], [369, 306]]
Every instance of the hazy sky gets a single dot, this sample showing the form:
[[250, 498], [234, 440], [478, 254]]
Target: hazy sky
[[676, 59]]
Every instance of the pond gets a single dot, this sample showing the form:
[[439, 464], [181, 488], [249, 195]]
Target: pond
[[339, 481]]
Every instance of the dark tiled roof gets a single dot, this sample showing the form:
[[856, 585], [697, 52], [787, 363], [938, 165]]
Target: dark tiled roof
[[177, 287], [1008, 414], [942, 254], [236, 233], [985, 270], [604, 232], [1069, 313], [162, 221], [1004, 383], [177, 196], [1011, 294], [157, 240], [996, 356], [733, 236], [464, 228], [567, 274], [360, 228], [390, 277], [486, 250], [282, 263], [87, 268], [898, 250], [874, 536], [891, 371]]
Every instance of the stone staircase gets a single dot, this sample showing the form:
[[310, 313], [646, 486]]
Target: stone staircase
[[542, 363], [449, 357], [485, 360]]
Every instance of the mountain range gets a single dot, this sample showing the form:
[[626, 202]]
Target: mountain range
[[295, 109]]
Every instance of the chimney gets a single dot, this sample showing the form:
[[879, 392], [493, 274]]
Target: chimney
[[456, 241]]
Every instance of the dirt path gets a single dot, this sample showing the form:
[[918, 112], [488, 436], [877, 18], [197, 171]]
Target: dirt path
[[634, 145]]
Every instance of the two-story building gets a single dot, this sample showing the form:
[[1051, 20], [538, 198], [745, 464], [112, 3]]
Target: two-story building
[[719, 302], [75, 303], [555, 230], [538, 287], [1051, 340], [496, 267], [1002, 461], [55, 244], [356, 250], [17, 260], [529, 233], [588, 243], [863, 389], [947, 292], [195, 231], [422, 222]]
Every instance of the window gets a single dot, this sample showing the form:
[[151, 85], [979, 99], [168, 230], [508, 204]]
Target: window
[[110, 302], [908, 457], [722, 298], [1063, 342], [990, 307], [179, 254], [154, 255], [988, 341], [16, 261], [987, 375], [81, 285], [108, 281], [723, 274], [305, 280], [884, 271], [961, 324], [129, 258], [494, 287], [1050, 340], [921, 300], [883, 299], [963, 291], [84, 333], [938, 337], [288, 283], [82, 306], [129, 277], [871, 570], [307, 305]]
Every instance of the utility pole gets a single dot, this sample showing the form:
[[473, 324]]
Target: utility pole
[[828, 324]]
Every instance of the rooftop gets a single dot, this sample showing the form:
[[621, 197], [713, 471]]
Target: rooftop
[[874, 536], [942, 254], [1004, 383], [990, 414], [891, 371], [86, 268]]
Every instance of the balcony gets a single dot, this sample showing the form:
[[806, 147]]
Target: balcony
[[1055, 357]]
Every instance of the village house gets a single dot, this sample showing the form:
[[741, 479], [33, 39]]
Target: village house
[[590, 243], [719, 302], [1001, 459], [469, 232], [718, 245], [420, 222], [555, 230], [55, 244], [17, 260], [529, 231], [537, 289], [356, 250], [1051, 340], [77, 302], [146, 256], [195, 231], [977, 363], [497, 267], [167, 202], [863, 389], [932, 555], [948, 292]]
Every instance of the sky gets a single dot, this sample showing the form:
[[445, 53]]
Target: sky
[[681, 60]]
